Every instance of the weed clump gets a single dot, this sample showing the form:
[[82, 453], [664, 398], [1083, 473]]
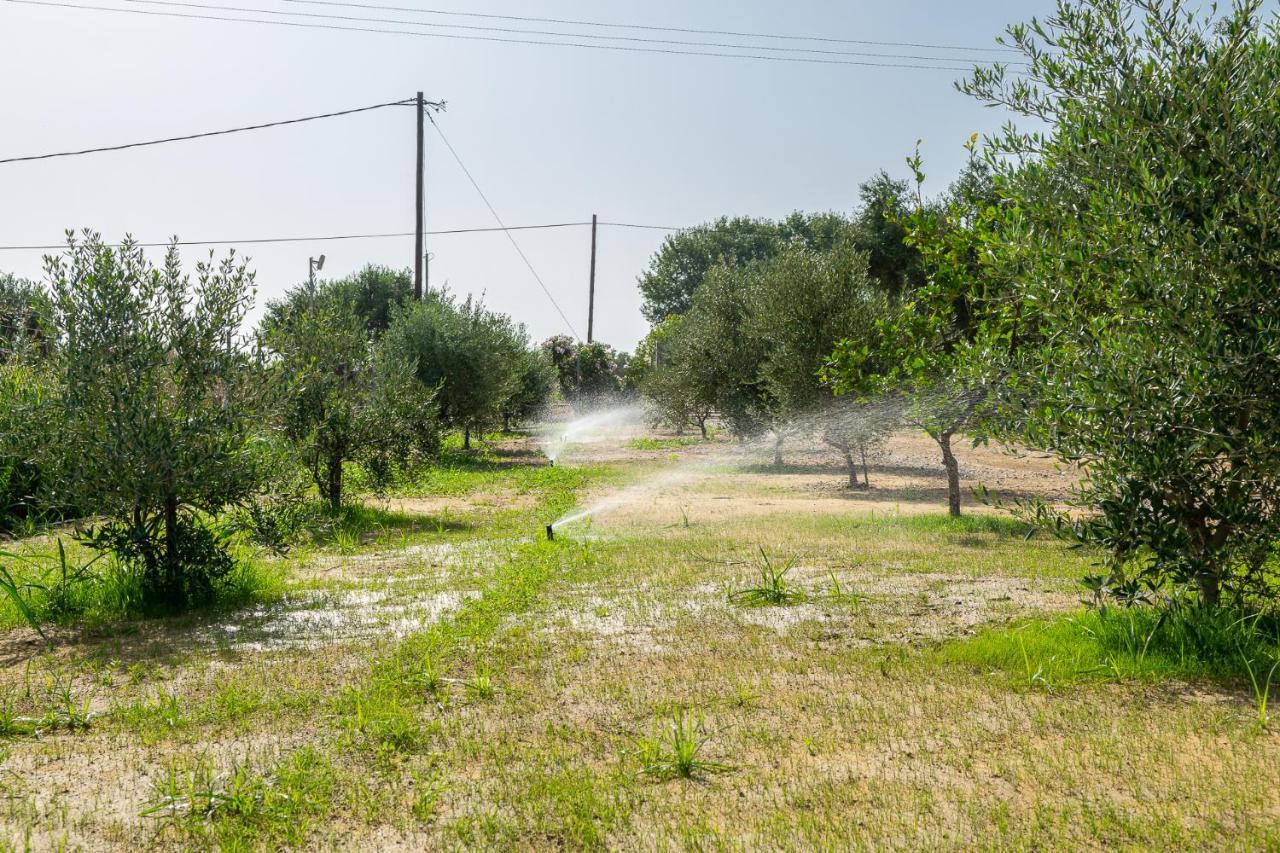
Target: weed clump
[[773, 589], [1180, 639], [674, 749]]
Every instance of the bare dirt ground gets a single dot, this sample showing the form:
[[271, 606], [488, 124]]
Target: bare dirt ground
[[722, 479]]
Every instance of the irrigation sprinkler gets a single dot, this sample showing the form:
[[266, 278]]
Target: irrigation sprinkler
[[551, 533]]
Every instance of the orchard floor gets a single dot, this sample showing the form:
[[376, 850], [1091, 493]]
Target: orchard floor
[[453, 680]]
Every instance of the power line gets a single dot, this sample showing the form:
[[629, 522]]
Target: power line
[[330, 237], [505, 230], [556, 34], [201, 135], [497, 39], [652, 28]]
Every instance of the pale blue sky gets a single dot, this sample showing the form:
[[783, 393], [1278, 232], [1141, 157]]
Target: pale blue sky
[[552, 134]]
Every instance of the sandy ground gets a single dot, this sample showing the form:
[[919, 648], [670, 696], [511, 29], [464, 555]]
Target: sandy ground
[[722, 479]]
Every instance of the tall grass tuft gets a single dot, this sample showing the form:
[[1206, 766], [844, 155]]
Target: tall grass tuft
[[773, 589], [1179, 639], [673, 750]]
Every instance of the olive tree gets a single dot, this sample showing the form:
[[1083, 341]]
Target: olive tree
[[533, 381], [916, 361], [472, 357], [1143, 231], [156, 405], [26, 318], [375, 292], [341, 398], [718, 359], [589, 375], [801, 303], [678, 268]]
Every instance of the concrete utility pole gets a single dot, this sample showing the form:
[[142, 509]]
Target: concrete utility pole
[[591, 292], [420, 208]]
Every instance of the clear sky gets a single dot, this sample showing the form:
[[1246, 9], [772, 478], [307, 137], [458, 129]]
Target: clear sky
[[551, 134]]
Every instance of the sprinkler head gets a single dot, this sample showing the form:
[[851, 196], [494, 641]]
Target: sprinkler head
[[551, 533], [551, 463]]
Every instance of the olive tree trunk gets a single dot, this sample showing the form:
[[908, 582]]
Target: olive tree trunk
[[953, 472], [333, 482]]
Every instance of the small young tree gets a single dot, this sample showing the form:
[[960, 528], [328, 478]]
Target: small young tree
[[156, 405], [920, 352], [665, 379], [343, 399]]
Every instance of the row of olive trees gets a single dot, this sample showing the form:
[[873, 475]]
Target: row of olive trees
[[132, 395], [749, 311], [1102, 288]]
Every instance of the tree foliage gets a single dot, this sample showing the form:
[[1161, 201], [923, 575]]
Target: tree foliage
[[685, 258], [26, 318], [916, 359], [342, 397], [531, 390], [375, 293], [754, 343], [473, 358], [1143, 230], [157, 404], [589, 375], [801, 303], [878, 231]]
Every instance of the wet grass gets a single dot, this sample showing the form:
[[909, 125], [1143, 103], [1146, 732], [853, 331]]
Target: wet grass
[[649, 443], [938, 685]]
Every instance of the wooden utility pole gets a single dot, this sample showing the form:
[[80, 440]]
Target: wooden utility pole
[[420, 209], [591, 292]]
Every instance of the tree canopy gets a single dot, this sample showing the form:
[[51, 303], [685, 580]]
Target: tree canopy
[[1143, 232]]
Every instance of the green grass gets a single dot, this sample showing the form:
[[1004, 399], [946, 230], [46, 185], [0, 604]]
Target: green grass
[[675, 749], [456, 477], [89, 591], [602, 693], [103, 591], [1126, 644], [247, 808], [647, 443]]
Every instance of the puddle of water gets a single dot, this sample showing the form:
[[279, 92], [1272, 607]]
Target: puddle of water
[[314, 618]]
